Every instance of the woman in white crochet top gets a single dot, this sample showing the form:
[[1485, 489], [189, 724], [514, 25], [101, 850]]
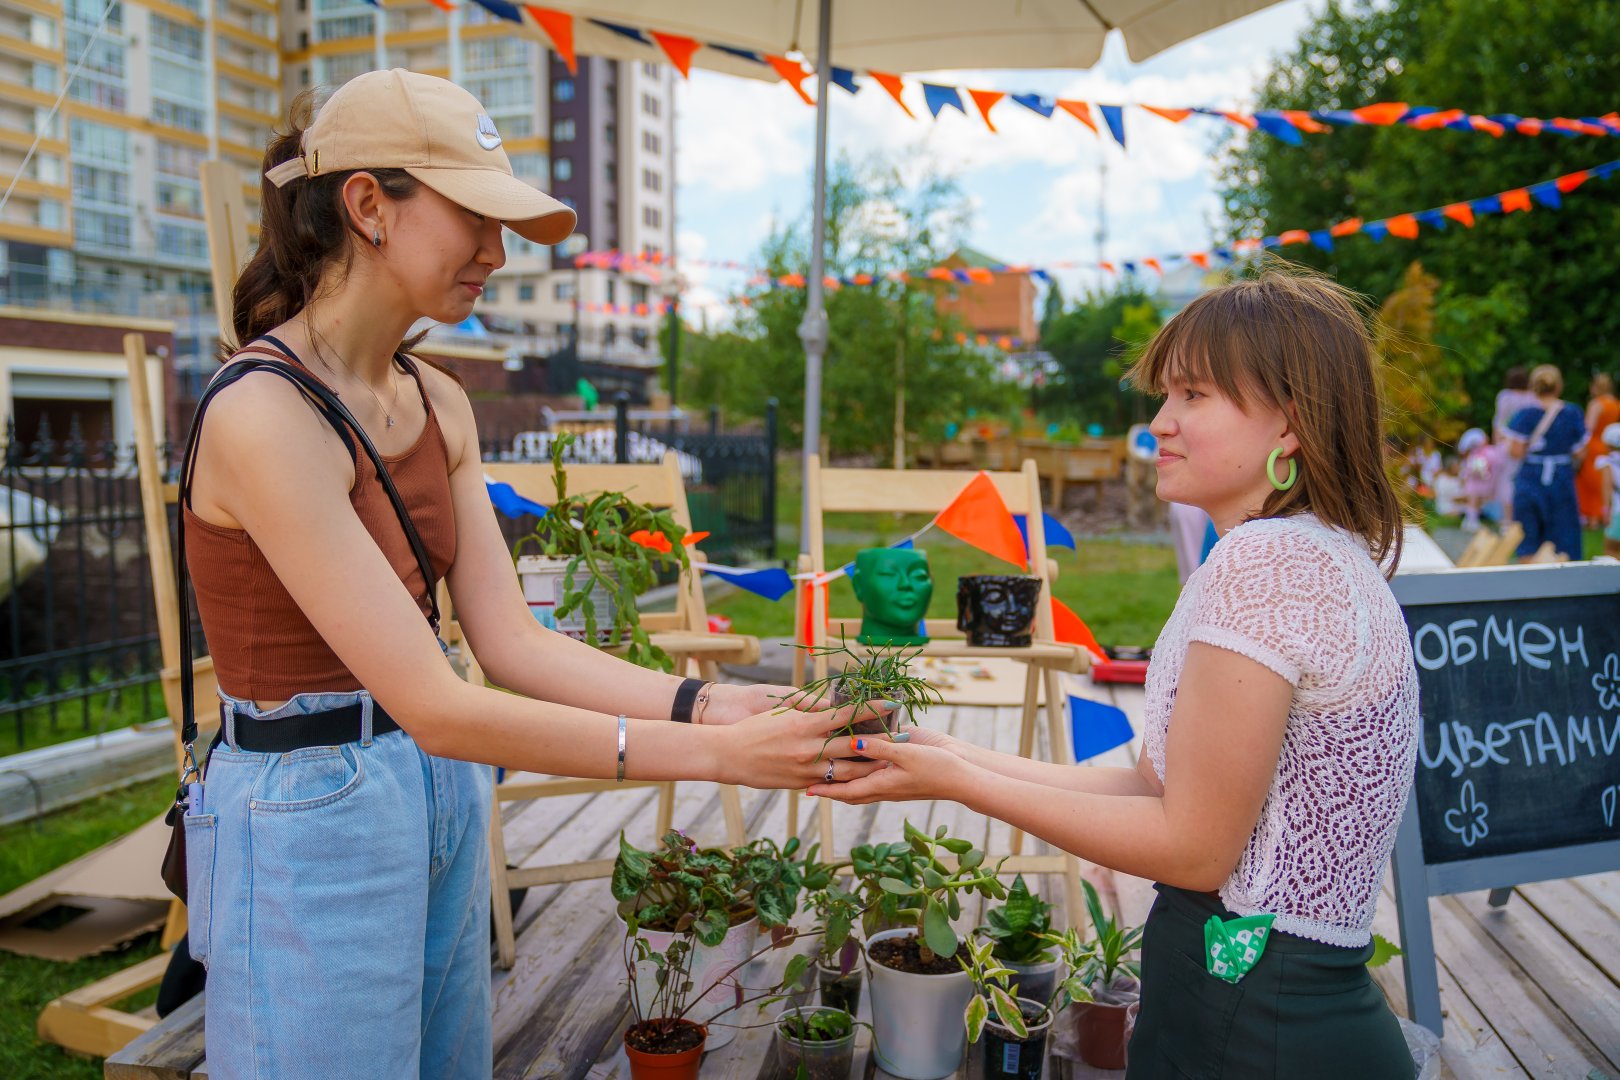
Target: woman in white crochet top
[[1281, 719]]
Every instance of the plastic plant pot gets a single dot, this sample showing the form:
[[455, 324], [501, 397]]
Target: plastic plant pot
[[708, 965], [840, 991], [1001, 1055], [828, 1060], [678, 1066], [917, 1024], [1036, 981]]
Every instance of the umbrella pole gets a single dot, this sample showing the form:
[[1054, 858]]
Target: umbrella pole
[[813, 330]]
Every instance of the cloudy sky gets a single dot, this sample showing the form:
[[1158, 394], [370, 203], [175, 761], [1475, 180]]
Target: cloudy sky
[[745, 155]]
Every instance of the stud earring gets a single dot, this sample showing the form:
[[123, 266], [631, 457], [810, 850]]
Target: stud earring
[[376, 238]]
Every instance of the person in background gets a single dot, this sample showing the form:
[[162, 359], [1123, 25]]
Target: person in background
[[1608, 466], [1481, 465], [1189, 527], [1547, 439], [1514, 395], [1602, 409]]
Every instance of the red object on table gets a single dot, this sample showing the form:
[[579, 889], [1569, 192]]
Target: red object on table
[[1119, 671], [719, 624]]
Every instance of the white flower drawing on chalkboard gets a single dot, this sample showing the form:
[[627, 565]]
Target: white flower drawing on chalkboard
[[1467, 819], [1607, 683]]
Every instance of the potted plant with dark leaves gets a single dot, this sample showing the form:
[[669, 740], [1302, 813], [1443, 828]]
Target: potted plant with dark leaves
[[1106, 969], [664, 1041], [589, 558], [717, 897], [1017, 931], [919, 988], [1013, 1024]]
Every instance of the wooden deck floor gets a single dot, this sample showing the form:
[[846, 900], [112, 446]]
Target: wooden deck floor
[[1532, 989]]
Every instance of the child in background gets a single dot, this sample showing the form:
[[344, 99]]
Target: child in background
[[1608, 466], [1481, 470]]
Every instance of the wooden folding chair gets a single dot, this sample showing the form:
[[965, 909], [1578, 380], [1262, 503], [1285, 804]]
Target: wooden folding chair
[[683, 633], [85, 1020], [832, 490]]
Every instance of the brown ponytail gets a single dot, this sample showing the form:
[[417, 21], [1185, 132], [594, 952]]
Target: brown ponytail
[[303, 229]]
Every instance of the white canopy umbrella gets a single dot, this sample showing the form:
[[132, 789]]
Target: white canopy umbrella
[[891, 36]]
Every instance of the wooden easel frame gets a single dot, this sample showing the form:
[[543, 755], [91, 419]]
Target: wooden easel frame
[[684, 634], [914, 491]]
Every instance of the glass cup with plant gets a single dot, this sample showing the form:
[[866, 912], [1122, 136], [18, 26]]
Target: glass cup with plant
[[878, 676]]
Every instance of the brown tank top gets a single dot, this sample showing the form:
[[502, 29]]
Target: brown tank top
[[263, 647]]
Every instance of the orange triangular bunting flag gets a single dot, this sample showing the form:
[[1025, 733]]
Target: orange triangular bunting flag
[[559, 27], [893, 85], [793, 73], [678, 49], [1200, 259], [1517, 199], [1460, 212], [986, 100], [1079, 110], [1403, 225], [1570, 181], [1071, 629], [979, 516], [1348, 227], [1175, 116], [1385, 112], [443, 5]]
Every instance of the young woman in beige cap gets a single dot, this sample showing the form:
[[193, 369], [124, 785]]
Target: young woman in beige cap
[[339, 886]]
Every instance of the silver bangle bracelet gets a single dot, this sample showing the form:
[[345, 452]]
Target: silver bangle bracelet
[[620, 775]]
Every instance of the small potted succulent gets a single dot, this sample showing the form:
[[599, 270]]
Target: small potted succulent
[[1017, 932], [590, 557], [1104, 968], [919, 988], [814, 1043], [716, 897], [871, 675]]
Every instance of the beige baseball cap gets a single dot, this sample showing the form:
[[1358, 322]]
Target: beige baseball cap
[[437, 132]]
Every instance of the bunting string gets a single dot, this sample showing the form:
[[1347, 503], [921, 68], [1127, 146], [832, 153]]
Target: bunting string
[[1290, 125]]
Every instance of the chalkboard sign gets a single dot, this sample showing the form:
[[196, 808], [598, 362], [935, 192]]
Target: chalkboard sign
[[1518, 771]]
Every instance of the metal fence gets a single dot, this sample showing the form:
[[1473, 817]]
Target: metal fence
[[730, 476], [78, 631]]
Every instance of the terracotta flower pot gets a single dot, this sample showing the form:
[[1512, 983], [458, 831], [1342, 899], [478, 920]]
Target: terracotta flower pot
[[1100, 1031], [678, 1066]]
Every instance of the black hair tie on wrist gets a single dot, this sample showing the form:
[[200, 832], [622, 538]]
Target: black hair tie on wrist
[[685, 698]]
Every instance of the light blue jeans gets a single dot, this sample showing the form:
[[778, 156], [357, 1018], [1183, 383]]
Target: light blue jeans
[[340, 900]]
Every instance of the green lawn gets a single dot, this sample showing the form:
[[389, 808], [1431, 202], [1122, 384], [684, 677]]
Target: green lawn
[[107, 710], [27, 850]]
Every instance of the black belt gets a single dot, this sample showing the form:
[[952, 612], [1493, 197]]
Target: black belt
[[330, 728]]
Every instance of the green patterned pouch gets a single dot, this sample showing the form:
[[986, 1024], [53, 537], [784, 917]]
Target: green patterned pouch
[[1232, 947]]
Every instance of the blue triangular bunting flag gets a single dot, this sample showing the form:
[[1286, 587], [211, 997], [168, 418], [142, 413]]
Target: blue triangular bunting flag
[[941, 97], [1547, 194], [623, 31], [1056, 534], [741, 54], [772, 583], [1280, 126], [1036, 103], [1322, 239], [1096, 728], [505, 499], [1114, 116], [844, 79]]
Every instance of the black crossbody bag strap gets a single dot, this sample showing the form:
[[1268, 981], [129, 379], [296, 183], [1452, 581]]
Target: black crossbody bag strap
[[344, 422]]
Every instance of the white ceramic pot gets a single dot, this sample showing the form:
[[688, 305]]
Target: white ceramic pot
[[917, 1019], [542, 578], [709, 965], [1037, 981]]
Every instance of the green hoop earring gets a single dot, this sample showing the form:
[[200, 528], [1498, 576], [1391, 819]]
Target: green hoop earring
[[1271, 471]]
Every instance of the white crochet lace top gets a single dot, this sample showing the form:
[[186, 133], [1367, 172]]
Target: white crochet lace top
[[1308, 602]]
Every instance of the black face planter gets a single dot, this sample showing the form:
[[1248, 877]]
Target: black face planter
[[997, 610]]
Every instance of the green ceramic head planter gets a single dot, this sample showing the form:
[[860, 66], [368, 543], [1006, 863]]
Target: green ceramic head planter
[[894, 587]]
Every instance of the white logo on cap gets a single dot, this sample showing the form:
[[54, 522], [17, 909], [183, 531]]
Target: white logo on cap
[[488, 137]]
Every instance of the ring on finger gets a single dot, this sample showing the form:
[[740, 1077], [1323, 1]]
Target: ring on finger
[[829, 774]]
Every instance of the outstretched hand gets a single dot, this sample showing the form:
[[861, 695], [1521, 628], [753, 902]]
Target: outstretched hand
[[909, 771], [731, 702]]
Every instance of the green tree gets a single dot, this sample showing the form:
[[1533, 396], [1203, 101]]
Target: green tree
[[1091, 342], [880, 218], [1539, 283]]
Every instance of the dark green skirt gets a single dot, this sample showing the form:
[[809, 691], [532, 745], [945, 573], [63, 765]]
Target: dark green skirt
[[1305, 1010]]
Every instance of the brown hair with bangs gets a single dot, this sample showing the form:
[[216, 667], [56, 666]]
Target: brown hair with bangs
[[1298, 342]]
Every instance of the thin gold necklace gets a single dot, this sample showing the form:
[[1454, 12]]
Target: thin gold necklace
[[314, 334]]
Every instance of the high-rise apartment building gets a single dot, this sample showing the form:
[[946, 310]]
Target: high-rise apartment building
[[107, 215]]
